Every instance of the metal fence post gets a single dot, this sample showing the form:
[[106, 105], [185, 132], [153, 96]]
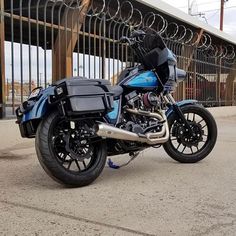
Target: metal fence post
[[104, 48], [218, 83], [230, 85], [2, 62], [233, 102]]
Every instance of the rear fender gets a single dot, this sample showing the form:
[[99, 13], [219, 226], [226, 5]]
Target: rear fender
[[40, 107], [29, 121]]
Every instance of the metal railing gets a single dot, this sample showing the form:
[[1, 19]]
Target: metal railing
[[46, 40]]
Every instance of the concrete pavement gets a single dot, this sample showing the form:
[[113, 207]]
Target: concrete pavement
[[154, 195]]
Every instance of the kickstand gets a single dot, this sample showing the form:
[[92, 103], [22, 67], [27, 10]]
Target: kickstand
[[132, 155]]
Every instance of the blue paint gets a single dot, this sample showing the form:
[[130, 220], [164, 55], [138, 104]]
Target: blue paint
[[180, 104], [41, 106], [112, 116], [186, 102], [146, 79]]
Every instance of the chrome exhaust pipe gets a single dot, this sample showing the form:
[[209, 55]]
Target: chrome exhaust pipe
[[160, 117], [159, 137], [154, 140], [108, 131]]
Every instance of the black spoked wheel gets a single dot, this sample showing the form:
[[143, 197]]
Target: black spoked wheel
[[68, 151], [190, 147]]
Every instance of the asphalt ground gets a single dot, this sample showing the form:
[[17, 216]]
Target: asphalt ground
[[154, 195]]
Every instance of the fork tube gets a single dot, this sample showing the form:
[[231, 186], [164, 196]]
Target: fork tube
[[170, 98], [178, 111]]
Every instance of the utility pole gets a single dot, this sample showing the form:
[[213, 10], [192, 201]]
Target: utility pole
[[221, 14], [222, 3]]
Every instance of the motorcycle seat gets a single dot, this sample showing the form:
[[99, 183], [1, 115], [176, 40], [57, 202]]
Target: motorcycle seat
[[116, 90]]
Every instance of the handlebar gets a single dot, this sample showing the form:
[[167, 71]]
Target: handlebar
[[137, 33], [125, 39], [134, 38]]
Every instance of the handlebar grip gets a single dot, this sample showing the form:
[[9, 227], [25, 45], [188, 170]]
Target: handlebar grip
[[138, 33], [124, 40]]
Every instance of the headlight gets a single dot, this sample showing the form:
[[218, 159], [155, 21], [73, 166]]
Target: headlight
[[35, 92]]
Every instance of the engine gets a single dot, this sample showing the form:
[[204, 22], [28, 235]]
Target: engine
[[140, 122], [137, 118], [143, 101]]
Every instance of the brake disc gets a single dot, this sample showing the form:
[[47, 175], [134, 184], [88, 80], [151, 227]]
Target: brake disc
[[182, 134], [77, 147]]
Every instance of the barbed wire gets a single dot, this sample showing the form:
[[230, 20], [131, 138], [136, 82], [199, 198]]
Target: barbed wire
[[123, 12]]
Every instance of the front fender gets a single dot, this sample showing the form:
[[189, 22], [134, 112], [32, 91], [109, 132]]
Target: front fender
[[180, 104], [40, 107]]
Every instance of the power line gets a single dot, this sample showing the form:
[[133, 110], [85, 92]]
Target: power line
[[219, 9], [200, 4], [209, 17]]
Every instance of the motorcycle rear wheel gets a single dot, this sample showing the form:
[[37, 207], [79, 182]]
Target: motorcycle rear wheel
[[64, 156], [186, 148]]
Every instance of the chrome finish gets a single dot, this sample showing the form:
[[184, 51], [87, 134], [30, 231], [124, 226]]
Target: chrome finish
[[108, 131], [144, 113], [169, 99]]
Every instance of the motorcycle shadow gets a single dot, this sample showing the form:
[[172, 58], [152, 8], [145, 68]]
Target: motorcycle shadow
[[140, 167], [144, 168]]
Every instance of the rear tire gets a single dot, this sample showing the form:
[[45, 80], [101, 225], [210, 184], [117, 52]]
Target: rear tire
[[51, 160], [185, 142]]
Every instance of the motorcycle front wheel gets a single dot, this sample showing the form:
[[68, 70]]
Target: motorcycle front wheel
[[190, 147], [66, 152]]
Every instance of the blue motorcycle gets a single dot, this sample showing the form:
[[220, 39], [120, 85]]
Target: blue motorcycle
[[78, 122]]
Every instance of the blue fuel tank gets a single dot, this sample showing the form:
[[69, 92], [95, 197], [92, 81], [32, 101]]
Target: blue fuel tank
[[145, 80]]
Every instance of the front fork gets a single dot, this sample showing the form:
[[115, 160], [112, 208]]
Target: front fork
[[170, 101]]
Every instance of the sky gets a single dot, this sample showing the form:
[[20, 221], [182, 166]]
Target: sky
[[211, 9], [94, 64]]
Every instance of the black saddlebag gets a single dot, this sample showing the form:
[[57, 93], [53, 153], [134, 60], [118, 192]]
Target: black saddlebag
[[81, 96]]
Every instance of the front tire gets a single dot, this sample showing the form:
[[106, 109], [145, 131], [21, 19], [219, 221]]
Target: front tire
[[59, 151], [186, 148]]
